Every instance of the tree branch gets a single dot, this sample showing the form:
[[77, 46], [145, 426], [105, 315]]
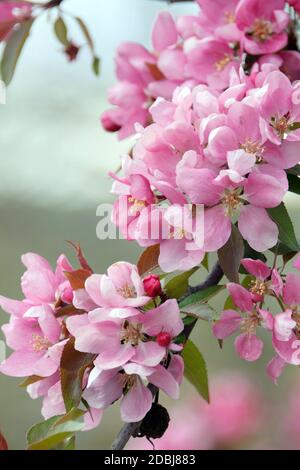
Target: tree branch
[[130, 429]]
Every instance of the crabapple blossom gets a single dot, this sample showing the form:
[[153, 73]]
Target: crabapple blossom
[[247, 345], [127, 383], [135, 338]]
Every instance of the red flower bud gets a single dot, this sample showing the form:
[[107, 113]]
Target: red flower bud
[[163, 339], [72, 51], [108, 123], [152, 285]]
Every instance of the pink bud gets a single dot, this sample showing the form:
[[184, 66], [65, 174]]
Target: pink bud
[[108, 124], [67, 295], [163, 339], [152, 285]]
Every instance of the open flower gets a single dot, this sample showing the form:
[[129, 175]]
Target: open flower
[[40, 285], [36, 344], [143, 338], [105, 387], [264, 25], [247, 345]]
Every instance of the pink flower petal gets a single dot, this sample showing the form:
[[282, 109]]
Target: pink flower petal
[[228, 324], [248, 347]]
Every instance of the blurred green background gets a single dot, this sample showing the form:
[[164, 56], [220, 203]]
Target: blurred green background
[[54, 158]]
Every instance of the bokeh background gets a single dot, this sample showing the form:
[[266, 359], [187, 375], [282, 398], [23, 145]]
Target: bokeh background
[[54, 158]]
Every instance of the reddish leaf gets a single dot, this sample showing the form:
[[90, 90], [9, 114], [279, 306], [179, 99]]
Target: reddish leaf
[[3, 443], [77, 278], [72, 366], [155, 72], [31, 380], [230, 255], [67, 311], [148, 259], [81, 258]]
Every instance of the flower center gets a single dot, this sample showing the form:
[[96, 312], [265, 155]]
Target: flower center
[[40, 343], [229, 17], [128, 381], [254, 148], [249, 323], [221, 64], [135, 206], [281, 125], [127, 291], [261, 30], [132, 334], [258, 287], [231, 201], [179, 233]]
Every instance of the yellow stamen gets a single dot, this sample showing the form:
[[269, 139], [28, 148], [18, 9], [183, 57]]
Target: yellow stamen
[[261, 30], [221, 64]]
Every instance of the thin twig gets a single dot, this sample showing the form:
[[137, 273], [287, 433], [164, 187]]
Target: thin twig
[[131, 428]]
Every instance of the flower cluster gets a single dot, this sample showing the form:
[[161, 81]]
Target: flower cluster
[[226, 151], [199, 49], [113, 317], [249, 315]]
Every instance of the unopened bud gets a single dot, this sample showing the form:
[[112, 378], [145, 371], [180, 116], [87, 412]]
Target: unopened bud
[[152, 285]]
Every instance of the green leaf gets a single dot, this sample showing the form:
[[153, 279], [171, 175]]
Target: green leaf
[[294, 183], [199, 311], [201, 296], [90, 42], [205, 262], [178, 285], [13, 49], [230, 255], [294, 126], [72, 367], [54, 431], [61, 32], [294, 171], [195, 369], [286, 230], [96, 66]]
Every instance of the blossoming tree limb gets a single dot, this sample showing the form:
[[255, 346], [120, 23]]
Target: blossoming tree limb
[[214, 107]]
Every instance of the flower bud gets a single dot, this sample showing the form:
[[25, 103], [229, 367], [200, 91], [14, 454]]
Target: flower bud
[[163, 339], [152, 285], [108, 123]]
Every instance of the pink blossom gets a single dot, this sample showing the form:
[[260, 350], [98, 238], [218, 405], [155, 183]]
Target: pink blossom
[[266, 279], [117, 339], [120, 287], [40, 285], [36, 344], [212, 60], [280, 110], [286, 324], [264, 25], [107, 386], [247, 345], [143, 76], [218, 19]]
